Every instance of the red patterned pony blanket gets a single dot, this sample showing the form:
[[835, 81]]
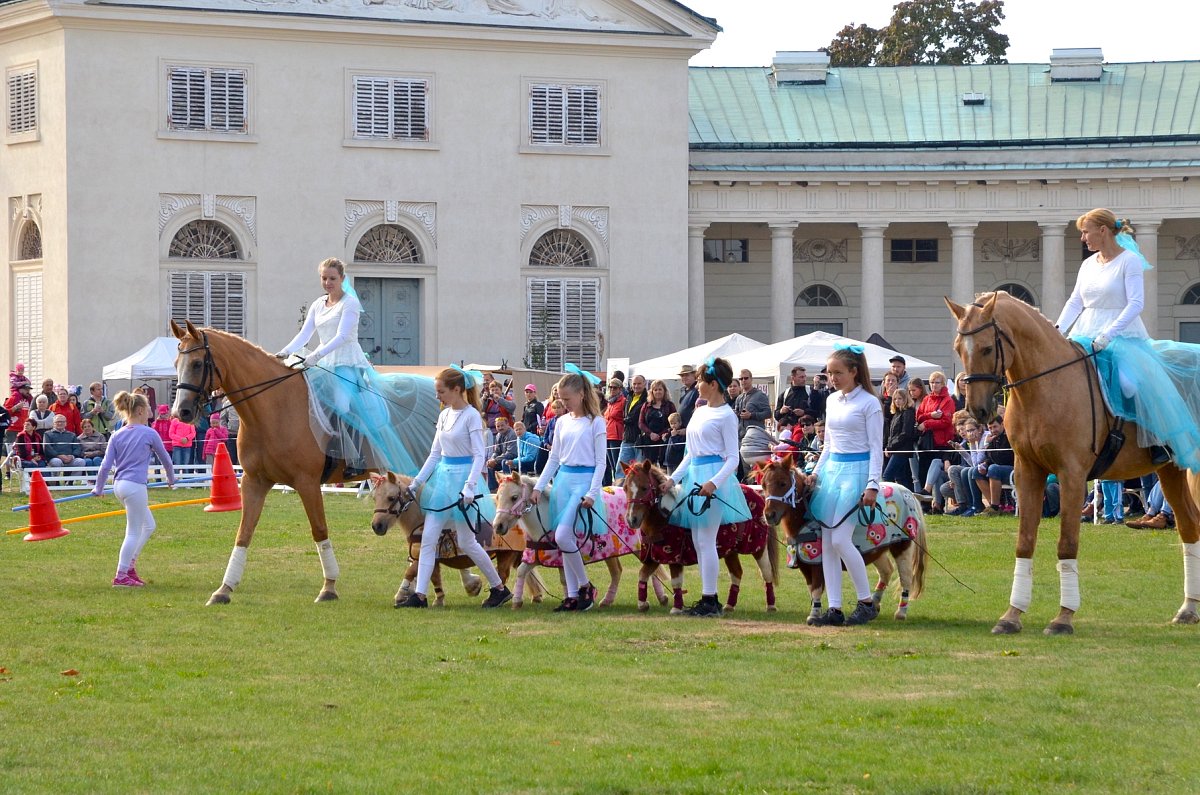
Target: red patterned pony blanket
[[744, 538]]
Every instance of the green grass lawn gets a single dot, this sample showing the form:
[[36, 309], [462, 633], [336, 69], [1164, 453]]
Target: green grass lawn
[[276, 694]]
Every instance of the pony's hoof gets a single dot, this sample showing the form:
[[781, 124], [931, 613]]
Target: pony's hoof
[[218, 598], [643, 607], [663, 601], [517, 604], [729, 609], [1058, 628], [439, 601], [877, 600], [1006, 627], [1186, 617], [537, 600], [606, 602], [474, 586], [326, 596], [901, 615], [676, 611], [771, 608]]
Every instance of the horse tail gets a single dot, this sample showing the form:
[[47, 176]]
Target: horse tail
[[922, 543]]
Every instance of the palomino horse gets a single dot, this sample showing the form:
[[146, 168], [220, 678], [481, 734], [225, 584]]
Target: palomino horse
[[652, 496], [394, 506], [513, 507], [1005, 343], [905, 542], [274, 444]]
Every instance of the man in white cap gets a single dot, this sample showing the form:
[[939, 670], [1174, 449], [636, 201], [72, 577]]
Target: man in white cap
[[689, 393]]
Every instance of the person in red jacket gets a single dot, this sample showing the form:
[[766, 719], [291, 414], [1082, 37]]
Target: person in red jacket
[[63, 405], [162, 426], [935, 423], [18, 404]]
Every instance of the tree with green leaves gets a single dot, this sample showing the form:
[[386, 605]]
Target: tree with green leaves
[[945, 32]]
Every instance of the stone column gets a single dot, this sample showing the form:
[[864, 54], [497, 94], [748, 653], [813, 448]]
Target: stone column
[[872, 280], [696, 284], [1147, 240], [1054, 280], [962, 261], [783, 282]]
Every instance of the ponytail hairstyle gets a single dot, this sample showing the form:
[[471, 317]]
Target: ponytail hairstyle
[[854, 356], [719, 371], [1107, 218], [454, 378], [578, 383], [127, 403]]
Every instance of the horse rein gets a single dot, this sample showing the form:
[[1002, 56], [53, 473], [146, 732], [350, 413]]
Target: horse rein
[[210, 374]]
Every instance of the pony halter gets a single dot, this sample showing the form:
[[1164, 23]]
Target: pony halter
[[790, 497]]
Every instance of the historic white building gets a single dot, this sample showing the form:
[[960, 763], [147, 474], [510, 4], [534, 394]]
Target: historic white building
[[507, 178]]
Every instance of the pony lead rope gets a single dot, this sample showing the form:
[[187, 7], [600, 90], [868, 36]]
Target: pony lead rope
[[1068, 584], [329, 566], [1022, 587]]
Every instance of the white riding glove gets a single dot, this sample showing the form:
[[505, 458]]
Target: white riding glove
[[1101, 342]]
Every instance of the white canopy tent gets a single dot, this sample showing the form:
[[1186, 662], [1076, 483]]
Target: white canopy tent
[[812, 350], [154, 361], [667, 367]]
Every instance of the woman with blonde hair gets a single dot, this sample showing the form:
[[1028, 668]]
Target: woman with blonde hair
[[654, 423], [902, 438]]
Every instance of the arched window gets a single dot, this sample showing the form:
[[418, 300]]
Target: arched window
[[1019, 292], [204, 240], [561, 248], [818, 295], [388, 243], [30, 245], [1192, 296]]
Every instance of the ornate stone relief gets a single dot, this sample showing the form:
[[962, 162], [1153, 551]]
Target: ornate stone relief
[[568, 217], [1188, 247], [819, 249], [998, 249], [422, 215], [242, 207]]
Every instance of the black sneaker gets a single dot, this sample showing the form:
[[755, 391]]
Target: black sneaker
[[497, 597], [567, 605], [832, 617], [707, 607], [863, 612], [414, 600], [586, 598]]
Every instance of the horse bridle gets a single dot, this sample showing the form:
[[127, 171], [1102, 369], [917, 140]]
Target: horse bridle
[[392, 510], [789, 497], [209, 373], [997, 376]]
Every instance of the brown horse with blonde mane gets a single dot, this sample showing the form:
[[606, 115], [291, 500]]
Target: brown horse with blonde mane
[[1057, 422], [274, 444]]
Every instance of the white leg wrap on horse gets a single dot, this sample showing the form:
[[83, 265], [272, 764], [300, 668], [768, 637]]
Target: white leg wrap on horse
[[1022, 587], [328, 562], [1068, 584], [1191, 571], [237, 565]]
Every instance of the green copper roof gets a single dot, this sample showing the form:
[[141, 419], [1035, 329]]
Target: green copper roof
[[921, 106]]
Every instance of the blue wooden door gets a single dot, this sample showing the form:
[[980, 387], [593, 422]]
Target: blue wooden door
[[389, 329]]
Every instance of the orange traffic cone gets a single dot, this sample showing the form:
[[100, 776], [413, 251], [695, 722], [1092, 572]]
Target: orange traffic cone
[[43, 516], [225, 494]]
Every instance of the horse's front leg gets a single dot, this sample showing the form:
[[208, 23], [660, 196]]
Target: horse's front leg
[[677, 588], [1030, 483], [518, 600], [733, 562], [410, 574], [815, 577], [767, 568], [1179, 488], [904, 565], [645, 573], [614, 581], [254, 494]]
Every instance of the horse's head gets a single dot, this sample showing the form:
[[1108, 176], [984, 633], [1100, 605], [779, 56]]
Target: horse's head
[[195, 370], [646, 486], [785, 490], [512, 501], [986, 349], [392, 505]]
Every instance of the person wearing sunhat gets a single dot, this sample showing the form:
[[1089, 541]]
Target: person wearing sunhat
[[687, 395], [899, 369]]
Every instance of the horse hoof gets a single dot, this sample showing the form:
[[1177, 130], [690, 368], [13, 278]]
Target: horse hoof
[[729, 609], [1005, 627], [606, 602], [517, 604], [676, 611], [1186, 617], [1057, 628], [218, 598], [811, 621], [771, 608], [439, 601], [663, 600], [643, 607], [474, 587], [900, 616], [326, 596], [876, 600], [537, 600]]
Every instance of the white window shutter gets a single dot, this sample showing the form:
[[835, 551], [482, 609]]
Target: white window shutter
[[27, 314], [409, 112], [186, 98], [546, 106], [563, 323], [583, 116], [227, 100], [372, 114], [22, 101], [209, 298]]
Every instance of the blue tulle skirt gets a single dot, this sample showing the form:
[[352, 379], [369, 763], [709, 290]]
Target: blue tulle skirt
[[840, 487], [731, 503], [371, 420], [446, 484], [1155, 383], [571, 484]]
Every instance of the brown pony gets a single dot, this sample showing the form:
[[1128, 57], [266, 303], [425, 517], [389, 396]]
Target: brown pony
[[392, 507], [274, 445], [1005, 343], [651, 496], [787, 504]]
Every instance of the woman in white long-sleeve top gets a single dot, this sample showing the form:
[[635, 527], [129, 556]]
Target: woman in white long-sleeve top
[[710, 463], [451, 480], [847, 477], [576, 466]]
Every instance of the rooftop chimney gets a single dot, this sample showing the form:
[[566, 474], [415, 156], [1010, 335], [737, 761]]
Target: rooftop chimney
[[1084, 63], [805, 68]]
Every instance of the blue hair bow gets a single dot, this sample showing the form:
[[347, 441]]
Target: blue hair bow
[[471, 378], [1126, 241], [577, 370], [711, 370], [846, 346]]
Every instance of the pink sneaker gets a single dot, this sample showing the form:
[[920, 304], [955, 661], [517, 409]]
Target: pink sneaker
[[127, 581]]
